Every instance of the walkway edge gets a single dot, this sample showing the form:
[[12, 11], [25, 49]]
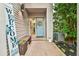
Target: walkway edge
[[59, 50]]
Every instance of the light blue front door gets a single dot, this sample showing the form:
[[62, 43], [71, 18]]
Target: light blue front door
[[40, 27], [40, 31]]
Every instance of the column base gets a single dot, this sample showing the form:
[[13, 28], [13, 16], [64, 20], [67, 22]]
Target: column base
[[50, 40]]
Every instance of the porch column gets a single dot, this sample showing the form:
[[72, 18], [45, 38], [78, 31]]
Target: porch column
[[49, 23]]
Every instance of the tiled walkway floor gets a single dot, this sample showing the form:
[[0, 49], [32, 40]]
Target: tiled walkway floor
[[43, 48]]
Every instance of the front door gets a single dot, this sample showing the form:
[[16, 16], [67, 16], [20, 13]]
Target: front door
[[40, 27]]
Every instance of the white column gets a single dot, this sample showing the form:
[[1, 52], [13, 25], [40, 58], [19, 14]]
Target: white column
[[78, 29], [49, 24]]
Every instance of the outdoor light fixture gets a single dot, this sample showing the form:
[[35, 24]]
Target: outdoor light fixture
[[22, 7], [22, 10]]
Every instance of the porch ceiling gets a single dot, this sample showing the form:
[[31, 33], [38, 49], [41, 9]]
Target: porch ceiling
[[36, 10]]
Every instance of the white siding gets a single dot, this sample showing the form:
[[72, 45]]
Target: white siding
[[19, 21], [26, 21]]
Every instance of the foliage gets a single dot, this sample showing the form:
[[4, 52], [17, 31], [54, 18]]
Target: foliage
[[65, 18]]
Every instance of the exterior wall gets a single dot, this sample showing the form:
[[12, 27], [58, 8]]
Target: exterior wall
[[19, 21], [3, 45], [20, 26], [78, 29], [16, 7], [26, 21]]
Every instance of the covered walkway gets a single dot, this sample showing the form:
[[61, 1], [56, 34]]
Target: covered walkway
[[43, 48]]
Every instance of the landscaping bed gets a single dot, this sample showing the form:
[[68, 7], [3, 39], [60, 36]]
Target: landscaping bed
[[66, 49]]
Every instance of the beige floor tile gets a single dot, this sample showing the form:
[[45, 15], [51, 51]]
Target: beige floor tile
[[43, 48]]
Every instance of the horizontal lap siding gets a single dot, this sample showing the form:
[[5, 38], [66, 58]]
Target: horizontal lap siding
[[19, 22]]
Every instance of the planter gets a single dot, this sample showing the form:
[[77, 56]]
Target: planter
[[22, 49], [23, 45]]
